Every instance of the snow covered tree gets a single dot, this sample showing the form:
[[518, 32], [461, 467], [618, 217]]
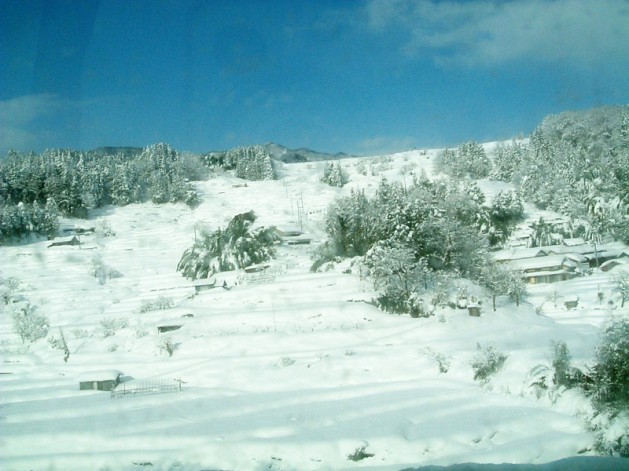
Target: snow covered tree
[[399, 275], [621, 286], [495, 278], [506, 209], [333, 174], [542, 234], [237, 246], [516, 287], [349, 225]]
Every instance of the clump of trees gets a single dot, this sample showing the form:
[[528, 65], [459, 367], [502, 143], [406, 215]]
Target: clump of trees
[[36, 189], [249, 162], [408, 234], [236, 246], [22, 219], [467, 160], [575, 163]]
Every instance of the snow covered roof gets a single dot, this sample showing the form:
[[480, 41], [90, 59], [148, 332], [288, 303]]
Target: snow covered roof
[[204, 282], [518, 253], [539, 263], [608, 265], [100, 375], [573, 241]]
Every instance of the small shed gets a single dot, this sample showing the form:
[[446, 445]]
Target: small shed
[[102, 380], [473, 308], [59, 241], [571, 303], [168, 327], [204, 284]]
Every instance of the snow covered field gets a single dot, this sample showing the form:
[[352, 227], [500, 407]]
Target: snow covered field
[[288, 371]]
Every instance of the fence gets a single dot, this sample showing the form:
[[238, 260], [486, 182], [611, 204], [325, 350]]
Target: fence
[[146, 388]]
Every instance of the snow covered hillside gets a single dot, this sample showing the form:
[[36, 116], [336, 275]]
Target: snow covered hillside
[[283, 370]]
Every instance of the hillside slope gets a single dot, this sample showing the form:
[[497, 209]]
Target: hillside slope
[[289, 370]]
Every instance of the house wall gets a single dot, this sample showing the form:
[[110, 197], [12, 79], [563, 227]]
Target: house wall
[[106, 385]]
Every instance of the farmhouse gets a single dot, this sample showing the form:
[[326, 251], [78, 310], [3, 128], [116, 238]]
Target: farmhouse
[[103, 380], [564, 261], [546, 269]]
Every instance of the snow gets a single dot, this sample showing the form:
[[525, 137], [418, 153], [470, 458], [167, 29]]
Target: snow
[[291, 371], [100, 375]]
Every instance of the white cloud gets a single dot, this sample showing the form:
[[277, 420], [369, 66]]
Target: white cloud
[[18, 116], [383, 145], [579, 32]]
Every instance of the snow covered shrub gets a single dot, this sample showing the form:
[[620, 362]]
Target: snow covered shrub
[[80, 333], [611, 433], [360, 454], [324, 254], [160, 304], [103, 272], [487, 361], [168, 345], [287, 361], [111, 325], [557, 374], [8, 288], [443, 361], [29, 324], [103, 229], [361, 167], [237, 246], [60, 344]]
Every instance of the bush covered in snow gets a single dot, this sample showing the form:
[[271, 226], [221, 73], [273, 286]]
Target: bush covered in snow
[[28, 323], [487, 362], [101, 271], [159, 304]]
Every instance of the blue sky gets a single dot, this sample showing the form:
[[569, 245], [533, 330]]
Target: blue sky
[[363, 77]]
